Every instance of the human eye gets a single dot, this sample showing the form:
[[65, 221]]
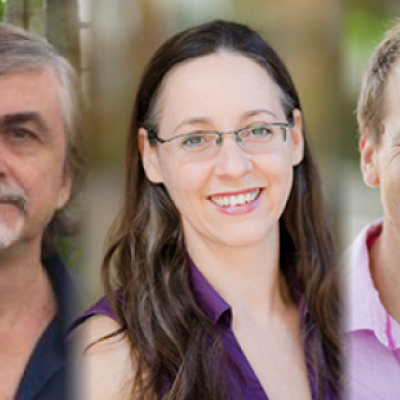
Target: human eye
[[20, 139], [21, 134], [262, 131], [196, 140]]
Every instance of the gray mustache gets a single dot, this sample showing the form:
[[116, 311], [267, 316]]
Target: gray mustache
[[11, 193]]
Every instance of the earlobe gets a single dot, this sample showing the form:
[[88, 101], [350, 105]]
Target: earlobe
[[149, 158], [297, 138], [65, 191], [369, 165]]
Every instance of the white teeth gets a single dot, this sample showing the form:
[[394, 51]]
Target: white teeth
[[232, 200]]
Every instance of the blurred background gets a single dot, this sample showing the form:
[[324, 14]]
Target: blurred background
[[324, 43]]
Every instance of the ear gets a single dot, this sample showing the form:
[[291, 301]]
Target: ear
[[149, 158], [297, 138], [369, 160], [65, 190]]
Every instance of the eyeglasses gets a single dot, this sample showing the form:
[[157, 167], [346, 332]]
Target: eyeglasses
[[204, 144]]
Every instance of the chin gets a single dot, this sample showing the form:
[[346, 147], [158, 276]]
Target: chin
[[245, 240], [9, 234]]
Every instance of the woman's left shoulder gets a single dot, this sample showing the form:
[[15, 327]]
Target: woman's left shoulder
[[102, 363]]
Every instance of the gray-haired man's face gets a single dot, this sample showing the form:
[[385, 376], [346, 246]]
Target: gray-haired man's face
[[33, 184]]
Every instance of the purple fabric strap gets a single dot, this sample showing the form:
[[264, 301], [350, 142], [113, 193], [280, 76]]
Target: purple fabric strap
[[102, 307]]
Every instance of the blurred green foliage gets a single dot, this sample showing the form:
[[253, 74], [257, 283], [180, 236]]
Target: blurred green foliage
[[2, 2], [71, 251], [364, 25], [364, 28]]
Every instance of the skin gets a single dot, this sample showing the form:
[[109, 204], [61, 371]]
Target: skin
[[380, 164], [237, 252], [32, 155]]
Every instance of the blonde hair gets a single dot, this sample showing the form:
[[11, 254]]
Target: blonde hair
[[371, 102]]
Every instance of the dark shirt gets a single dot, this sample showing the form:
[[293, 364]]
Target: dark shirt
[[242, 375], [46, 372]]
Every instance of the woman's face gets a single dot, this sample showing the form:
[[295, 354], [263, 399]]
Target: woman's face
[[233, 198]]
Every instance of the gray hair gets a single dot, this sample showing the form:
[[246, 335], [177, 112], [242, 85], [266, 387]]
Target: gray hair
[[22, 51]]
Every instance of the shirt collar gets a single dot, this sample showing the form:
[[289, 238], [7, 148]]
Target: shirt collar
[[217, 309], [214, 306], [365, 310]]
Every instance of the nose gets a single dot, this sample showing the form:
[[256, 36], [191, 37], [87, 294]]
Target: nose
[[232, 161]]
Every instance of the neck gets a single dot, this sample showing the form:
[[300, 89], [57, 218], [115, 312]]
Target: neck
[[385, 270], [248, 278], [24, 285]]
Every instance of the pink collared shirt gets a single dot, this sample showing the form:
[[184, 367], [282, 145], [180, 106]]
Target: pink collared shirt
[[372, 336]]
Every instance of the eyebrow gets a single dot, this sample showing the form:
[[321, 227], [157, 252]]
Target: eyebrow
[[25, 117], [253, 113], [205, 120]]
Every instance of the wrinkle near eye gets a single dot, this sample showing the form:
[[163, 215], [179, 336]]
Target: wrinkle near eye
[[394, 153]]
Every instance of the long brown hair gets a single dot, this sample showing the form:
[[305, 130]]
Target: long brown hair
[[176, 350]]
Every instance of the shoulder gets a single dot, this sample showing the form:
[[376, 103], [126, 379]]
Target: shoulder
[[102, 307], [102, 360]]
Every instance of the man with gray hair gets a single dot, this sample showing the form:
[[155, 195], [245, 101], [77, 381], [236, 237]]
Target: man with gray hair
[[373, 325], [40, 170]]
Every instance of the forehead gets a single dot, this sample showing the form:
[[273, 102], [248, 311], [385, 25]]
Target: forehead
[[219, 86], [32, 91]]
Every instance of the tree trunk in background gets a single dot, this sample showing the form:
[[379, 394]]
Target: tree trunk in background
[[62, 28], [57, 20], [36, 18], [25, 13], [15, 12]]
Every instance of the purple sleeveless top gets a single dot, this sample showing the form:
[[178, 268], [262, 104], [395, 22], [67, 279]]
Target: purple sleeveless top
[[102, 307], [242, 376]]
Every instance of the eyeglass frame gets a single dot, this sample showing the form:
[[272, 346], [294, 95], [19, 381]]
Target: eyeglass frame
[[152, 133]]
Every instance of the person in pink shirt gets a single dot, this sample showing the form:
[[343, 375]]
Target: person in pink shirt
[[372, 326]]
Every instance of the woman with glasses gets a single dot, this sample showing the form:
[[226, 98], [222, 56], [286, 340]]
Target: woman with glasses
[[219, 272]]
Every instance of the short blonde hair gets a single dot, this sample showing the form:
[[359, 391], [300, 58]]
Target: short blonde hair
[[371, 102]]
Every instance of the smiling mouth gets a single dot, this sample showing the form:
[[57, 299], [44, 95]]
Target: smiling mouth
[[236, 200]]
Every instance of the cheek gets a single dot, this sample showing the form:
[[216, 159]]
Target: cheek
[[390, 184], [185, 183], [280, 182], [43, 182], [278, 171], [51, 176], [285, 183]]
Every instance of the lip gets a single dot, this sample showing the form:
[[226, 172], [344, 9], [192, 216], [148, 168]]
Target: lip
[[245, 191], [7, 202], [8, 206], [15, 203], [238, 209]]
